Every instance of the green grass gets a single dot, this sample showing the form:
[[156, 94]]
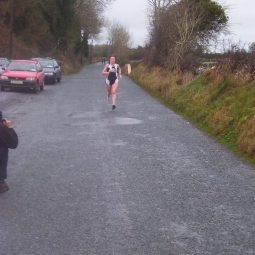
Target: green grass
[[208, 63]]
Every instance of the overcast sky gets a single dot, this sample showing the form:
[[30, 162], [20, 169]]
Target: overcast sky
[[133, 15]]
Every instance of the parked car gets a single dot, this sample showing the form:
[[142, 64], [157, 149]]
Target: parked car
[[3, 64], [23, 74], [52, 69]]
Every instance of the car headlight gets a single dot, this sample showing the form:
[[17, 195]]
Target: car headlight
[[48, 73], [4, 77], [30, 78]]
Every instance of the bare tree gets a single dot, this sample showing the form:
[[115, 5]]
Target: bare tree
[[89, 15], [252, 47], [156, 11], [120, 39], [182, 27], [186, 19]]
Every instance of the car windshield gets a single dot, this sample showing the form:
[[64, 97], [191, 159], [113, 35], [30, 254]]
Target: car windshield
[[2, 62], [22, 66], [46, 63]]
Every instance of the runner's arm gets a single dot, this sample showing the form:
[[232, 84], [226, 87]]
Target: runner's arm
[[104, 72]]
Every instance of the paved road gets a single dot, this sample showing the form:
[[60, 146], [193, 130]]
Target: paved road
[[139, 180]]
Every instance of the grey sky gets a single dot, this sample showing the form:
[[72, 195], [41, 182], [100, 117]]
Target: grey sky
[[133, 15], [241, 19]]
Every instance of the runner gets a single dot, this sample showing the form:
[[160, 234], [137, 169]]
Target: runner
[[112, 70]]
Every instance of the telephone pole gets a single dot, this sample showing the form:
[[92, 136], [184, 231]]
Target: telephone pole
[[91, 53]]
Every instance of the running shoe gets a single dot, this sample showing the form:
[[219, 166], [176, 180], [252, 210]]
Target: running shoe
[[113, 107]]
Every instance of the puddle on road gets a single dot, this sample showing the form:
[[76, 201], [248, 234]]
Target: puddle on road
[[81, 119], [82, 115], [83, 124], [119, 143], [152, 118], [108, 122], [121, 121]]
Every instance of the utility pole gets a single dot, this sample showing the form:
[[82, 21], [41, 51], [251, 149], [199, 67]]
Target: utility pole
[[82, 46], [11, 30], [91, 52]]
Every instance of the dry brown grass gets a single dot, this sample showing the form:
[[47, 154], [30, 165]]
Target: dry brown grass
[[246, 141]]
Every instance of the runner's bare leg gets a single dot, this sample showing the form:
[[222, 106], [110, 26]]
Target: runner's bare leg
[[113, 92]]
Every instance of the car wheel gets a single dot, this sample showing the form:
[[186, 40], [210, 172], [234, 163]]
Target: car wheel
[[59, 78], [54, 80], [42, 86], [35, 88], [2, 88]]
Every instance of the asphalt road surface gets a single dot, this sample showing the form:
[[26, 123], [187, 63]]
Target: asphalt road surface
[[138, 180]]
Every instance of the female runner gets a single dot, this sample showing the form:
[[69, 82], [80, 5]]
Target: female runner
[[113, 71]]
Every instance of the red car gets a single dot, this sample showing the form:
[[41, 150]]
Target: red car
[[23, 74]]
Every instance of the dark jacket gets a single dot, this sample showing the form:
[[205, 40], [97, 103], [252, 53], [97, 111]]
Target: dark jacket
[[8, 137]]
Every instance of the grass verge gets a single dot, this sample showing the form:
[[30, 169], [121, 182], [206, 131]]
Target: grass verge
[[218, 103]]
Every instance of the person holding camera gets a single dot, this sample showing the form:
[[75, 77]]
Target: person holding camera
[[8, 140]]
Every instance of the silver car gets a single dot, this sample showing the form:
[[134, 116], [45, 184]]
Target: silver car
[[4, 62], [52, 69]]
